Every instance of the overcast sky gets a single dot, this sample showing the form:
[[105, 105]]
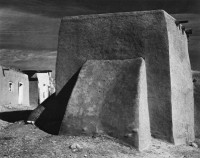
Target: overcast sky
[[29, 28]]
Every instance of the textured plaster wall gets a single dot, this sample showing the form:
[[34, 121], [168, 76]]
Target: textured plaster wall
[[11, 98], [121, 36], [110, 96], [109, 36], [34, 93], [43, 85], [127, 36], [182, 99]]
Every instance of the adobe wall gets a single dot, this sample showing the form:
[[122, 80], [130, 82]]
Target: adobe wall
[[109, 36], [34, 93], [126, 36], [8, 98], [110, 96], [182, 98], [43, 85]]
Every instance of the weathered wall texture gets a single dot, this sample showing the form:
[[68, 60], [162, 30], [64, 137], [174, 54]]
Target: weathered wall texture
[[34, 93], [196, 81], [43, 85], [9, 98], [149, 34], [182, 99], [110, 96]]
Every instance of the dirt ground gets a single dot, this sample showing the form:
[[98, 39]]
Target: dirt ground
[[20, 140]]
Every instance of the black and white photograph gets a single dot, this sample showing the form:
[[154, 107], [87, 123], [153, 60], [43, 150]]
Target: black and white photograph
[[99, 78]]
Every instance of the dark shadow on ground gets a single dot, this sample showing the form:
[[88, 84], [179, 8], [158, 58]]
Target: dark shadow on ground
[[14, 116], [49, 115]]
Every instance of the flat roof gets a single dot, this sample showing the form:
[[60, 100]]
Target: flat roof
[[36, 71]]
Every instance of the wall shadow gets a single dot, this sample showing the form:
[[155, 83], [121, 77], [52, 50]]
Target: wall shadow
[[48, 116], [14, 116]]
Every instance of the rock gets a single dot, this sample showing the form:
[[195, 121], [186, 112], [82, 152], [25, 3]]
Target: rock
[[129, 135], [192, 144], [75, 147], [30, 122]]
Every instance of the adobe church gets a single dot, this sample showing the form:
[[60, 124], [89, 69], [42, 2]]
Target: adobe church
[[127, 75]]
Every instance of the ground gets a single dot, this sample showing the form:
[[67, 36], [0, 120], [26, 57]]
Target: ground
[[20, 140]]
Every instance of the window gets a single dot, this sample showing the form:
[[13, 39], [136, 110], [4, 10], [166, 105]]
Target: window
[[10, 86]]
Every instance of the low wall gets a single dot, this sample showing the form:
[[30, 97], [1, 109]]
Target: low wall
[[110, 97]]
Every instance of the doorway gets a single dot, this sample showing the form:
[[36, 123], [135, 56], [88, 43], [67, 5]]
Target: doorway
[[20, 98]]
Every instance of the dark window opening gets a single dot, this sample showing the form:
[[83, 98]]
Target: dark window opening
[[10, 86]]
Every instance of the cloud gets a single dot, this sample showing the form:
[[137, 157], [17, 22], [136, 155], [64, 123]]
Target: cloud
[[60, 8], [50, 8], [19, 30]]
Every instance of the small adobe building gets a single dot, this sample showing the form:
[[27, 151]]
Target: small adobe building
[[40, 85], [14, 88]]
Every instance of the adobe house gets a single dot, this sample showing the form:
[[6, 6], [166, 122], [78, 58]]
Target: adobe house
[[153, 35], [40, 85], [14, 89]]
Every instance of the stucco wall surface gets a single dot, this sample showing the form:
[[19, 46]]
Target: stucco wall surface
[[34, 93], [121, 36], [196, 81], [110, 96], [43, 85], [10, 98], [108, 36], [126, 36], [182, 98]]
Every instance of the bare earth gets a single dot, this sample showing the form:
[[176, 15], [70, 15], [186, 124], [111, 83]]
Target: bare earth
[[19, 140]]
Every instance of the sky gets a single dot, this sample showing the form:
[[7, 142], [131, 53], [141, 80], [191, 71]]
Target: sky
[[29, 28]]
